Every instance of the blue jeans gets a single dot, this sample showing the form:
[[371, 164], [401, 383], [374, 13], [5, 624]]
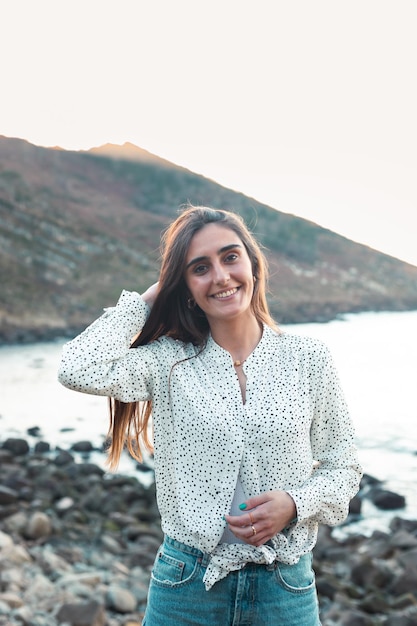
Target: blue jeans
[[257, 595]]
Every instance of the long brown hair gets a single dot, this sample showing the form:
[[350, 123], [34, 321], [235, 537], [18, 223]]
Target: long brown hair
[[170, 315]]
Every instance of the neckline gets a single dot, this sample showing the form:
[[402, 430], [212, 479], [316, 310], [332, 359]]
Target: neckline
[[216, 348]]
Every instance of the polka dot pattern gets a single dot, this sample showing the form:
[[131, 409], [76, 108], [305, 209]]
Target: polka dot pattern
[[293, 433]]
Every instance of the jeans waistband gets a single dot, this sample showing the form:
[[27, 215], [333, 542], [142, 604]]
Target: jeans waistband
[[203, 557]]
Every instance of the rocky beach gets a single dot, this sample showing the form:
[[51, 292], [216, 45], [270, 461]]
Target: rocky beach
[[77, 546]]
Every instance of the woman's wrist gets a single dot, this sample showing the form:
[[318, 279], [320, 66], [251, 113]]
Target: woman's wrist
[[150, 294]]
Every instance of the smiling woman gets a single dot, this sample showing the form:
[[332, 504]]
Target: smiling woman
[[252, 439]]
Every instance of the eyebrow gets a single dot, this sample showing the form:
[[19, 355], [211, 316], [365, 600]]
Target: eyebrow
[[198, 259]]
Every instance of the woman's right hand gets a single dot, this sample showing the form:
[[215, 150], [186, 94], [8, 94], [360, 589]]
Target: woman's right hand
[[150, 294]]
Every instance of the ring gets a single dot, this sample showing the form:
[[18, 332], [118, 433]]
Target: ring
[[253, 530], [251, 518]]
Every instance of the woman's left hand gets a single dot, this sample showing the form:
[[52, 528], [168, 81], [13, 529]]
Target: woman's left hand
[[265, 516]]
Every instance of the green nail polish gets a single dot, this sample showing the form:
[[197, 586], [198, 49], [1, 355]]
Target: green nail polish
[[242, 506], [224, 517]]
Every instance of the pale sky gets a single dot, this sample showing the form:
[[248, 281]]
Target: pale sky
[[306, 105]]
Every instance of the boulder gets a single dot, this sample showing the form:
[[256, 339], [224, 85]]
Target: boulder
[[18, 447]]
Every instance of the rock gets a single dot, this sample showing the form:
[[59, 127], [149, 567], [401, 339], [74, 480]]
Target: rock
[[41, 447], [369, 481], [16, 522], [90, 469], [111, 544], [74, 537], [355, 505], [378, 546], [327, 586], [371, 573], [82, 446], [17, 447], [404, 601], [16, 554], [121, 600], [356, 618], [374, 603], [24, 615], [406, 581], [64, 504], [402, 620], [143, 467], [58, 542], [91, 578], [122, 520], [4, 610], [11, 599], [52, 564], [7, 496], [5, 456], [403, 539], [397, 523], [34, 431], [408, 558], [39, 525], [5, 540], [386, 500], [63, 458], [82, 614]]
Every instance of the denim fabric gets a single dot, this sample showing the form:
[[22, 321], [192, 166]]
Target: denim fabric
[[257, 595]]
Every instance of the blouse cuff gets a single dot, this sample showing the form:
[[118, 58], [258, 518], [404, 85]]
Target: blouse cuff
[[303, 506], [131, 302]]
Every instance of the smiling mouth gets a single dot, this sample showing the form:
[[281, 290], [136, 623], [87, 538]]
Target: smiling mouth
[[225, 294]]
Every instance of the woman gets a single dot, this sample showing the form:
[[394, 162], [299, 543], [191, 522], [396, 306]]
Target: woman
[[252, 439]]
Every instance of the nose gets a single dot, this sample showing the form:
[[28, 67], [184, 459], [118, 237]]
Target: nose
[[220, 275]]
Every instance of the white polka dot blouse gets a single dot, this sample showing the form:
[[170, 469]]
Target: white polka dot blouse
[[293, 433]]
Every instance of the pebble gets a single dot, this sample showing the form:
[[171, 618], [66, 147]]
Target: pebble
[[77, 548]]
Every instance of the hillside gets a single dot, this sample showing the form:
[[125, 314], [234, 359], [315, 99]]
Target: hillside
[[77, 227]]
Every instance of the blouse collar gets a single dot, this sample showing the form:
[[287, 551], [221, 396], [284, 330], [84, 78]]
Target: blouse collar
[[267, 344]]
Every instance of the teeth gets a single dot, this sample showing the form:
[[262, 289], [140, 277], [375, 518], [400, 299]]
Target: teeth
[[224, 294]]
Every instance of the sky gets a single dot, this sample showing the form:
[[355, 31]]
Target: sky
[[306, 105]]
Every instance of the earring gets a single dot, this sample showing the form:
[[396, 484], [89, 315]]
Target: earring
[[191, 304]]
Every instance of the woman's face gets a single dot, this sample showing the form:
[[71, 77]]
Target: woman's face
[[219, 273]]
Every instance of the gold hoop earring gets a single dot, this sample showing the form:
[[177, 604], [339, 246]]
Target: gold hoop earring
[[191, 304]]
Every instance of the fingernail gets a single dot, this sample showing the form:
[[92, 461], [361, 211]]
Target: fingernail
[[224, 518], [242, 506]]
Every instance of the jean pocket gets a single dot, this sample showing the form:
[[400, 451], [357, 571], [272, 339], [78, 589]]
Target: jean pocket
[[298, 578], [174, 570]]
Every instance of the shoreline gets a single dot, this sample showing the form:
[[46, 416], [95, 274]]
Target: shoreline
[[43, 333], [75, 539]]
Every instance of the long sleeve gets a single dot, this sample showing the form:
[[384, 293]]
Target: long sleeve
[[99, 361], [325, 496]]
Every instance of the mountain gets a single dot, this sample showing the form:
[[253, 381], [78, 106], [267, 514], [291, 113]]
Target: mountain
[[77, 227], [129, 152]]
